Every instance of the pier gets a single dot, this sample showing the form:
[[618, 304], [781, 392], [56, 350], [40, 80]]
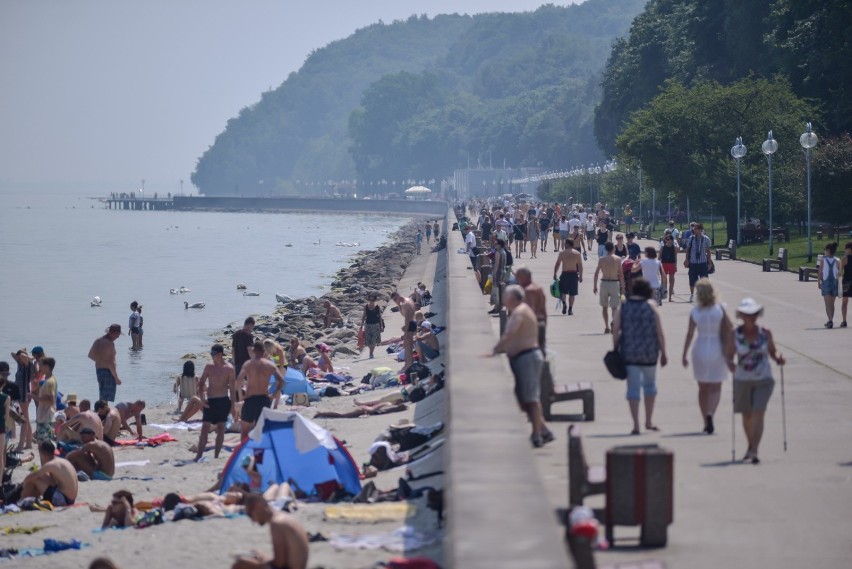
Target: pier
[[131, 202]]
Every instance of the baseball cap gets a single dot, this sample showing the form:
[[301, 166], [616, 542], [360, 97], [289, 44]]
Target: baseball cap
[[37, 350]]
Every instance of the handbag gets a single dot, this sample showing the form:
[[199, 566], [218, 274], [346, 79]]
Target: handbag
[[614, 362]]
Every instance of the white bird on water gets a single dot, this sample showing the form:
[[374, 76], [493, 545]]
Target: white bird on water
[[241, 286], [318, 241], [187, 305], [183, 289], [173, 291], [251, 294], [95, 301]]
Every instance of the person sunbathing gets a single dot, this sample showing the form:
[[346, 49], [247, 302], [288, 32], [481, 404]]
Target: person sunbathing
[[362, 410], [95, 457], [120, 513], [395, 398]]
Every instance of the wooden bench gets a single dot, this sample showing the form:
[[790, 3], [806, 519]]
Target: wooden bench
[[582, 480], [553, 393], [780, 261], [730, 251], [807, 273]]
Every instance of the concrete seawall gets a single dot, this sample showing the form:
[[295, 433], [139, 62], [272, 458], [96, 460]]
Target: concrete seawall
[[327, 205]]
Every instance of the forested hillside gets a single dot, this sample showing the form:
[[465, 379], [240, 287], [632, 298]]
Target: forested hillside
[[417, 99]]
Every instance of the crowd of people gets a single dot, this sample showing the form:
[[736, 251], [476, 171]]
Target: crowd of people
[[632, 284]]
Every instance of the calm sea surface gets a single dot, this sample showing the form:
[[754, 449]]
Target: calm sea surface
[[57, 252]]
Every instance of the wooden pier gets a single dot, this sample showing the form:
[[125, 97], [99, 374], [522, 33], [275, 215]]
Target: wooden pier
[[132, 202]]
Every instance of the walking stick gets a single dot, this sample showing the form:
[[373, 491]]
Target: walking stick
[[733, 427], [783, 410]]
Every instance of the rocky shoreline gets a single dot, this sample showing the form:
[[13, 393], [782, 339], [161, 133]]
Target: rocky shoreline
[[378, 270]]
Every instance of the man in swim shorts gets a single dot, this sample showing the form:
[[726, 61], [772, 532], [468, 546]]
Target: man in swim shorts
[[102, 353], [257, 372], [289, 541], [572, 274], [409, 327], [54, 482], [217, 399], [95, 457]]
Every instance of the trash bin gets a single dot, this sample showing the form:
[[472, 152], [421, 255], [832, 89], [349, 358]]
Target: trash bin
[[639, 491]]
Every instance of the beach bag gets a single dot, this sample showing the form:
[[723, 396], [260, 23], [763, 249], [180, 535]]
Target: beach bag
[[614, 362], [554, 289], [301, 400], [362, 338]]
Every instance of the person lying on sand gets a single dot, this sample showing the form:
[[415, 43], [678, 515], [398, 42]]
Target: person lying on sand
[[362, 410], [120, 513], [95, 457], [289, 540]]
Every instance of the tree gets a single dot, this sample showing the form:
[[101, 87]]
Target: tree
[[831, 180], [683, 140]]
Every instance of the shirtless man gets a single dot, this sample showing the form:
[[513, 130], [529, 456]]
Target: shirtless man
[[54, 482], [217, 399], [102, 353], [296, 353], [111, 419], [612, 283], [256, 372], [332, 314], [534, 297], [520, 343], [73, 428], [126, 410], [289, 540], [95, 457], [572, 274], [409, 326]]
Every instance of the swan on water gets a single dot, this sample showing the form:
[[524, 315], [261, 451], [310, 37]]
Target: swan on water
[[251, 294], [318, 241], [241, 286], [183, 289], [283, 298], [95, 301], [187, 305], [288, 245], [173, 291]]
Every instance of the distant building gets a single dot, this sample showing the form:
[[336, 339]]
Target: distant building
[[491, 182]]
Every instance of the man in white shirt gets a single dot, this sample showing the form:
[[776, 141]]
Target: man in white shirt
[[470, 246]]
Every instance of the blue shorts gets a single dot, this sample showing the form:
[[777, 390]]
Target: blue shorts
[[641, 377], [106, 384], [829, 288]]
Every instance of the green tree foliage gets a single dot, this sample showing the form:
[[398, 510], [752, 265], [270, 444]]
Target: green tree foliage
[[514, 87], [831, 180], [683, 140], [686, 41]]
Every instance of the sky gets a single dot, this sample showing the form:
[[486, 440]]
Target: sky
[[98, 95]]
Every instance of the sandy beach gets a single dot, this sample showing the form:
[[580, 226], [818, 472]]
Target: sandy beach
[[152, 472]]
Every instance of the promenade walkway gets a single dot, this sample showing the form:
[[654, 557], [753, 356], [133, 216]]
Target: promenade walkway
[[794, 509]]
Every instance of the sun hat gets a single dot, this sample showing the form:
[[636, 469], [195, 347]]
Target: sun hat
[[70, 398], [749, 306], [401, 424], [426, 324]]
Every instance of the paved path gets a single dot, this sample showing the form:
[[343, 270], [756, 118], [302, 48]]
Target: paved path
[[792, 510]]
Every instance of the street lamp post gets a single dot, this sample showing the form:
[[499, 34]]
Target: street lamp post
[[809, 140], [640, 195], [770, 147], [738, 150]]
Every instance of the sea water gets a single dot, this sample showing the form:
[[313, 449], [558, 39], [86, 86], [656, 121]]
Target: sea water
[[57, 252]]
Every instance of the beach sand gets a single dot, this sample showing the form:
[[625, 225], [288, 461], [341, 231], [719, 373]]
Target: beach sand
[[214, 542]]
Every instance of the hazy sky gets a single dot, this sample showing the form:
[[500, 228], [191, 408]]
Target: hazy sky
[[99, 94]]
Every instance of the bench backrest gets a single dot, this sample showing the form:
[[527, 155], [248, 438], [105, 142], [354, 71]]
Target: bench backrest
[[782, 253], [578, 469], [731, 243]]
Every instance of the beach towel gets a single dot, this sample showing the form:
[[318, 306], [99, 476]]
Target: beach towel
[[132, 463], [179, 426], [405, 538], [385, 511], [150, 441]]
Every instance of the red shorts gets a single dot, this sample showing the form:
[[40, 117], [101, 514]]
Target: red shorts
[[669, 268]]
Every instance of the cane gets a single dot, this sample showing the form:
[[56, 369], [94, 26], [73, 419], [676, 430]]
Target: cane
[[783, 410], [733, 427]]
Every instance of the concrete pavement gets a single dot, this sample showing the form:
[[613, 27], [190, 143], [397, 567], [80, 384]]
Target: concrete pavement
[[792, 510]]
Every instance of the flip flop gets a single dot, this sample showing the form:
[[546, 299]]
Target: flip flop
[[652, 428]]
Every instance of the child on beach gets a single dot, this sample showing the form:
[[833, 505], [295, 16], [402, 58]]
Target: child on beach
[[186, 385]]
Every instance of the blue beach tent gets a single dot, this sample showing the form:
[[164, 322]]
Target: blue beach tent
[[294, 382], [290, 448]]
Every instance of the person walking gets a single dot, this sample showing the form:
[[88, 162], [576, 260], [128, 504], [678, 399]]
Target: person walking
[[533, 236], [571, 276], [638, 333], [697, 258], [24, 375], [612, 283], [712, 354], [753, 381], [371, 323], [828, 279], [428, 233], [668, 258], [652, 271], [846, 265]]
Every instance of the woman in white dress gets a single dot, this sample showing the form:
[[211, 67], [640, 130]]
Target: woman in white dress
[[712, 355]]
